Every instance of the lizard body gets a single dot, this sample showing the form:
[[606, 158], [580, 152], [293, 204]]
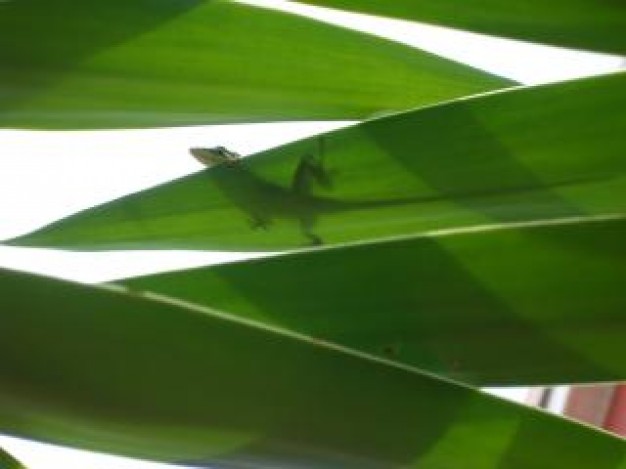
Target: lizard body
[[264, 201], [261, 199]]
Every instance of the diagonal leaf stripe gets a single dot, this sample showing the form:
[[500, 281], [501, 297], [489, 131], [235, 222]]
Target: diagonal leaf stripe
[[580, 24], [118, 64], [526, 305], [527, 154], [151, 377]]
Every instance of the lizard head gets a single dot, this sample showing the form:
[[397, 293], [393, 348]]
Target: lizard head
[[213, 156]]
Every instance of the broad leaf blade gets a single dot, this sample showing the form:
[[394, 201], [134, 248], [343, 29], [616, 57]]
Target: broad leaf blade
[[112, 64], [517, 305], [100, 369], [526, 154], [579, 24]]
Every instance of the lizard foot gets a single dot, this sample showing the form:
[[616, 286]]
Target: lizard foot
[[314, 239]]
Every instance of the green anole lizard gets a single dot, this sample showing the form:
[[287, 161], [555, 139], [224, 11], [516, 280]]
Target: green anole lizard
[[261, 197]]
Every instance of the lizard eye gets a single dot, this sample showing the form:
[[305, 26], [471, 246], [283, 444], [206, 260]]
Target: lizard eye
[[219, 150]]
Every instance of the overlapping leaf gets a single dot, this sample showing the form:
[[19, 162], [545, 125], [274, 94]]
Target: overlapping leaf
[[515, 305], [119, 63], [100, 369], [581, 24], [527, 154]]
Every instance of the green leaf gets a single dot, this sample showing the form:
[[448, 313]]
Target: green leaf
[[527, 154], [9, 462], [579, 24], [149, 377], [517, 305], [119, 63]]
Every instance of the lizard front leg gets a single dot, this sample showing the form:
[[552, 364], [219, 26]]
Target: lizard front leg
[[259, 222]]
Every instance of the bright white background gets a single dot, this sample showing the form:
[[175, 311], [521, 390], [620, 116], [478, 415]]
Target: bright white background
[[47, 175]]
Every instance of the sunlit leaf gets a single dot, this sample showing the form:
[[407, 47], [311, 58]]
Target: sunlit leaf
[[529, 154], [120, 63], [100, 369]]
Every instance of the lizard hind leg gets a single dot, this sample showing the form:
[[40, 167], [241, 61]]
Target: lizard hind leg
[[307, 224], [314, 239]]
